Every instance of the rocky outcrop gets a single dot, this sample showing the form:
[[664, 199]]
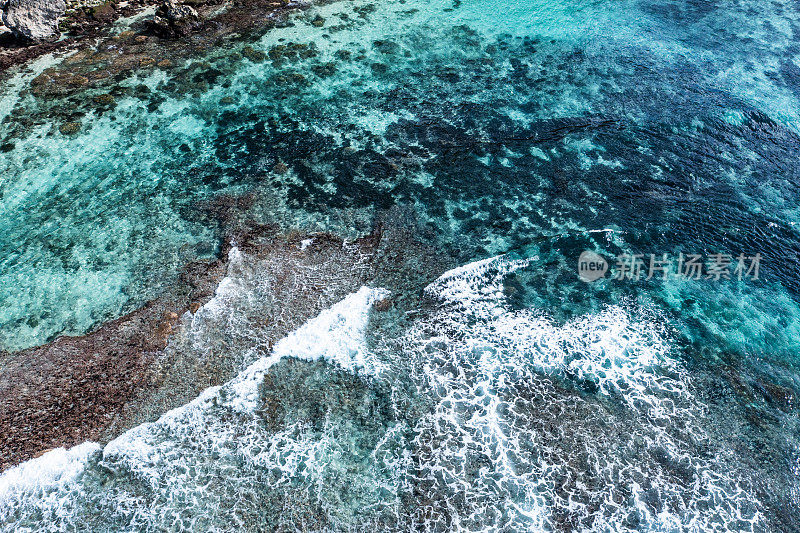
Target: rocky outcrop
[[174, 20], [33, 20]]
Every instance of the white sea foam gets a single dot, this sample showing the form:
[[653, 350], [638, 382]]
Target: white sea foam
[[49, 472], [499, 375], [220, 422], [337, 334], [471, 284], [620, 354], [504, 436]]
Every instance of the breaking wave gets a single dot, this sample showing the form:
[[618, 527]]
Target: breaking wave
[[462, 414]]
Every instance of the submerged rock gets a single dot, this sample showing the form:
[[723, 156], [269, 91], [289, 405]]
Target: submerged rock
[[256, 56], [105, 12], [33, 20], [174, 20], [104, 100], [70, 128], [383, 305]]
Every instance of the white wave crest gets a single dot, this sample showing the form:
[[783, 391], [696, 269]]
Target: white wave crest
[[177, 455], [36, 478], [500, 419]]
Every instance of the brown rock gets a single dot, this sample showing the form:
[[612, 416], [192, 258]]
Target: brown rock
[[76, 80], [256, 56], [103, 12], [70, 128], [104, 99], [41, 79], [382, 305]]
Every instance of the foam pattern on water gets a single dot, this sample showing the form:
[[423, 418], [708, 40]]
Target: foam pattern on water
[[472, 416], [538, 451], [506, 127], [213, 452], [44, 479]]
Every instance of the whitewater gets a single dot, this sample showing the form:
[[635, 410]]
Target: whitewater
[[472, 416]]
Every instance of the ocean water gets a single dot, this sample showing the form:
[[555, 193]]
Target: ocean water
[[472, 416], [509, 395]]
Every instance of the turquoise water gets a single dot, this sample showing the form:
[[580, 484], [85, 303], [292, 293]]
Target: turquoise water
[[561, 107], [533, 129]]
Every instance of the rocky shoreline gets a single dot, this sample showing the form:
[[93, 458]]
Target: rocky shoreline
[[133, 369], [81, 22], [87, 24]]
